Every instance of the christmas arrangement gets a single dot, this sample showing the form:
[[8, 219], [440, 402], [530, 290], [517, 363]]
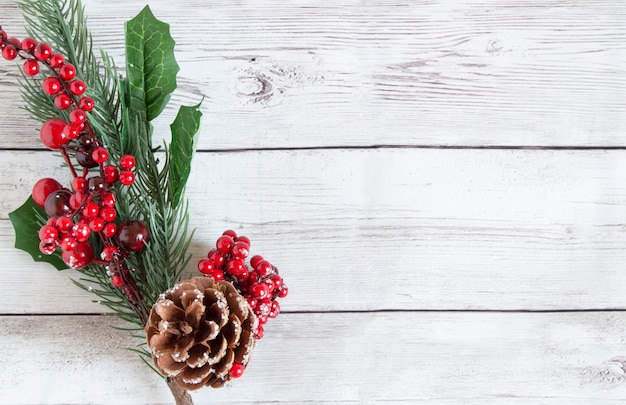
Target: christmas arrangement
[[121, 220]]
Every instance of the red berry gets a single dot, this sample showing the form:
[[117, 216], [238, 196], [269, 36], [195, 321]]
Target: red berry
[[127, 177], [80, 231], [254, 260], [264, 307], [263, 268], [96, 224], [9, 52], [57, 204], [63, 224], [282, 293], [56, 60], [51, 85], [80, 257], [86, 103], [259, 291], [100, 154], [127, 162], [48, 233], [52, 133], [217, 258], [67, 71], [43, 188], [31, 67], [71, 131], [260, 331], [42, 51], [240, 250], [243, 239], [108, 214], [76, 200], [275, 309], [217, 275], [277, 281], [235, 267], [77, 116], [205, 266], [68, 243], [230, 233], [117, 281], [62, 101], [108, 199], [79, 184], [133, 235], [108, 252], [96, 184], [47, 248], [28, 44], [91, 209], [236, 370], [110, 173], [269, 283], [109, 230], [223, 244], [77, 87]]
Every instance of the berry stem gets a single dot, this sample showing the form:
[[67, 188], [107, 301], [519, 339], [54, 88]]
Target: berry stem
[[66, 157]]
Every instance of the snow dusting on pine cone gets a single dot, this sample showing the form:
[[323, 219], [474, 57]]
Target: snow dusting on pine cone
[[201, 333]]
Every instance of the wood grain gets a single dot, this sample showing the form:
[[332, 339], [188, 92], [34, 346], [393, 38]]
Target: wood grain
[[304, 74], [409, 357], [440, 229]]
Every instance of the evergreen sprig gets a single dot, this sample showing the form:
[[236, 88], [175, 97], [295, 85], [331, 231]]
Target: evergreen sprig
[[123, 125]]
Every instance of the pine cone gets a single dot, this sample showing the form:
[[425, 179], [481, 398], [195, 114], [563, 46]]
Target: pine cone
[[198, 329]]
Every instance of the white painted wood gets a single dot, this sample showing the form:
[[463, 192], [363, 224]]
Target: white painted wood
[[429, 358], [389, 229], [310, 73]]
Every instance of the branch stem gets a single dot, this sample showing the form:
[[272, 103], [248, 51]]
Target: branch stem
[[181, 396]]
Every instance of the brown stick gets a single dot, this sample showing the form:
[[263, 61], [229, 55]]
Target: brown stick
[[181, 396]]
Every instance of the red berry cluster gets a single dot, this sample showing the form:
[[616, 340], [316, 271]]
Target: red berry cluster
[[258, 280], [88, 208]]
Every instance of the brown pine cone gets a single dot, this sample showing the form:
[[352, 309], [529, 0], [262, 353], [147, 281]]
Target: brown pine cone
[[198, 330]]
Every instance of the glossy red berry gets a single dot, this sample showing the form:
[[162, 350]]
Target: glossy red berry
[[133, 235], [79, 184], [109, 230], [127, 177], [259, 291], [43, 188], [223, 244], [96, 224], [9, 52], [91, 209], [86, 103], [230, 232], [68, 243], [62, 101], [80, 257], [110, 173], [76, 200], [243, 239], [263, 268], [282, 293], [206, 266], [77, 87], [28, 44], [96, 184], [72, 131], [117, 281], [42, 51], [127, 162], [217, 258], [108, 252], [217, 275], [47, 248], [77, 116], [236, 370], [80, 231], [99, 154], [240, 249], [275, 311], [56, 60], [30, 67], [48, 233], [254, 260], [67, 71], [108, 214], [277, 281], [236, 267], [51, 85], [57, 204], [63, 224], [108, 199], [52, 133]]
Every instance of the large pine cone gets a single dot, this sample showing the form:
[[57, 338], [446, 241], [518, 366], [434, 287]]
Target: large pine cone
[[198, 329]]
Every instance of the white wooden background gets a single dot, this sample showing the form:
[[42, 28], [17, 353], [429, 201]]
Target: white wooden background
[[442, 184]]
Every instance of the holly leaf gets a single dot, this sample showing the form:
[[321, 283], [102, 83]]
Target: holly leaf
[[26, 225], [185, 130], [150, 64]]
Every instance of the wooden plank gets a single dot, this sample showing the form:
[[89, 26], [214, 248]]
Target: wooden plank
[[389, 228], [305, 74], [410, 357]]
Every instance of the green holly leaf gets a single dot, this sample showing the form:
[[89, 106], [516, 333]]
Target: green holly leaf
[[26, 224], [150, 64], [185, 130]]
